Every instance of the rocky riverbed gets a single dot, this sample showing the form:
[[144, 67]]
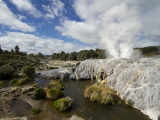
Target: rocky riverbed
[[136, 82]]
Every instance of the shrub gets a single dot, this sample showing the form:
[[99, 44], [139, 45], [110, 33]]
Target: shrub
[[63, 103], [99, 93], [59, 84], [28, 70], [39, 93], [53, 93], [13, 82], [35, 111], [35, 85], [2, 84], [119, 102], [6, 71], [23, 81]]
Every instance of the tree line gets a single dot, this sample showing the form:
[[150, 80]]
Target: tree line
[[80, 56]]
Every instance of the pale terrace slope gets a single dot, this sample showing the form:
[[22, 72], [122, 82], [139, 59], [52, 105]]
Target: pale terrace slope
[[138, 83]]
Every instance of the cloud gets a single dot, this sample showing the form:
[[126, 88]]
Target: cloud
[[7, 18], [33, 44], [55, 9], [26, 5], [115, 24]]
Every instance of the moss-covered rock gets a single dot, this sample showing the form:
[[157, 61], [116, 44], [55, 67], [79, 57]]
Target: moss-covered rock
[[63, 103], [23, 81], [54, 93], [2, 84], [99, 93], [13, 82], [39, 93], [58, 84]]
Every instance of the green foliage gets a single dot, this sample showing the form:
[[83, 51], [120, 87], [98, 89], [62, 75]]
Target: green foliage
[[53, 93], [62, 104], [112, 103], [12, 51], [6, 71], [13, 82], [2, 84], [59, 84], [99, 93], [23, 81], [35, 111], [119, 102], [35, 85], [39, 93], [16, 49], [28, 70]]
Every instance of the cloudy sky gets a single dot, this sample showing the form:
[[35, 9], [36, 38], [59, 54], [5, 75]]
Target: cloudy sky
[[50, 26]]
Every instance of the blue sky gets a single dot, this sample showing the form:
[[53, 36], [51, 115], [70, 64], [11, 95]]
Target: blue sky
[[50, 26]]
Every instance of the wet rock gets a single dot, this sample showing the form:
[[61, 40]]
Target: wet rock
[[75, 118], [27, 89], [13, 89]]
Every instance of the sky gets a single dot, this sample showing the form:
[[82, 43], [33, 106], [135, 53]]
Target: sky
[[52, 26]]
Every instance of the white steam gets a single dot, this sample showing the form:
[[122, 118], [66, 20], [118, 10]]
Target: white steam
[[117, 25]]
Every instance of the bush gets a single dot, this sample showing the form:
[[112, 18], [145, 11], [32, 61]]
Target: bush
[[119, 102], [6, 72], [13, 82], [35, 85], [28, 70], [63, 103], [54, 93], [39, 93], [23, 81], [2, 84], [59, 84], [35, 111], [99, 93]]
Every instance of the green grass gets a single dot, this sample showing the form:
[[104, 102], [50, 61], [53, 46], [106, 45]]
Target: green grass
[[35, 85], [119, 102], [62, 104], [53, 93], [99, 93], [13, 82], [2, 84], [39, 93], [35, 111]]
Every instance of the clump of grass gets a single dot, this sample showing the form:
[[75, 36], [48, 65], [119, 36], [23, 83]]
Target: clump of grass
[[35, 111], [54, 93], [2, 84], [23, 81], [39, 93], [66, 87], [13, 82], [63, 103], [59, 84], [119, 102], [99, 93], [35, 85]]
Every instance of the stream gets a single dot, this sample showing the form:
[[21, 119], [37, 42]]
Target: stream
[[87, 109]]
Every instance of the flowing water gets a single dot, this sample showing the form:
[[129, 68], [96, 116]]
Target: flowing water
[[87, 109]]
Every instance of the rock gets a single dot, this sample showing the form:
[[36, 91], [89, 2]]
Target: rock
[[27, 89], [13, 98], [75, 118], [57, 73], [13, 89], [30, 93], [63, 103], [24, 90]]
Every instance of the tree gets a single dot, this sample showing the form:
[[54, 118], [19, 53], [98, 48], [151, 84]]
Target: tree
[[16, 49], [1, 50], [40, 55], [28, 70], [12, 51]]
